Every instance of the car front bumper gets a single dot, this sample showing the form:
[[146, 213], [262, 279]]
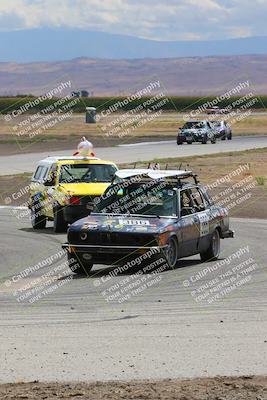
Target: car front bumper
[[100, 254], [100, 249], [189, 138]]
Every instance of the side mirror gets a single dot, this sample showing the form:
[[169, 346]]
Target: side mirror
[[49, 182], [187, 211]]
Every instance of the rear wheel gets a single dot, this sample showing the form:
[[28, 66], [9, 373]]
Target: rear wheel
[[37, 219], [78, 265], [213, 252], [189, 142], [229, 137], [60, 225]]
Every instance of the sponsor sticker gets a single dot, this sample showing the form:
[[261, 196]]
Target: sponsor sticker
[[135, 222], [89, 226], [204, 224], [141, 228]]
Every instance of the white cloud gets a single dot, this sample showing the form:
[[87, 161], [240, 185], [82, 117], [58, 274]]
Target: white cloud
[[154, 19]]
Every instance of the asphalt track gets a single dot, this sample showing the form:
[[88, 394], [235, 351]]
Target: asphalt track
[[20, 163], [74, 334]]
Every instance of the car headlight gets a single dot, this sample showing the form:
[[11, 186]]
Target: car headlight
[[163, 238]]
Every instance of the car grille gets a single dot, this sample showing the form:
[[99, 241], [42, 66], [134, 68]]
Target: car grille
[[112, 238]]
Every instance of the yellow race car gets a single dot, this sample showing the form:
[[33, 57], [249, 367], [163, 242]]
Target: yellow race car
[[65, 189]]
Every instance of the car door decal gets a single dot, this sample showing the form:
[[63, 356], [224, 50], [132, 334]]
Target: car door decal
[[204, 227]]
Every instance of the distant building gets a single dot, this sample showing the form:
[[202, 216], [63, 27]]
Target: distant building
[[80, 93], [84, 93]]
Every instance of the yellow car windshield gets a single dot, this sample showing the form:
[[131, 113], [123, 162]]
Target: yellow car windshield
[[86, 173]]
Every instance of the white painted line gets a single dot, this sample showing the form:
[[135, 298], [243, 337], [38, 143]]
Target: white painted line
[[14, 207], [147, 143], [174, 141]]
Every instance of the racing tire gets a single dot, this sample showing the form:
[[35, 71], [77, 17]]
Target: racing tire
[[171, 254], [189, 142], [229, 137], [204, 139], [213, 140], [223, 135], [78, 266], [179, 141], [213, 251], [60, 225], [38, 221]]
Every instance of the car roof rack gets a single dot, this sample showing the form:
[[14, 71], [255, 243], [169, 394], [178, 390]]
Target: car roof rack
[[52, 159], [176, 175]]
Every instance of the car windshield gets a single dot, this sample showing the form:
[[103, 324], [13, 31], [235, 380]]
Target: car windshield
[[152, 198], [87, 173], [216, 123], [194, 125]]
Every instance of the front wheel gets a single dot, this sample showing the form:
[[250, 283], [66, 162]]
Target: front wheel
[[213, 140], [60, 225], [223, 135], [229, 137], [204, 139], [213, 251], [171, 253], [78, 265]]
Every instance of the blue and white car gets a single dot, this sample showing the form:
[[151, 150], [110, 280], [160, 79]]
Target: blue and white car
[[196, 131]]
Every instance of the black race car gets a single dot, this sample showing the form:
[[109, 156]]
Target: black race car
[[196, 131], [166, 212]]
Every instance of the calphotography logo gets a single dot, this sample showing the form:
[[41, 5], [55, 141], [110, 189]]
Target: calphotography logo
[[31, 119], [55, 92], [124, 117]]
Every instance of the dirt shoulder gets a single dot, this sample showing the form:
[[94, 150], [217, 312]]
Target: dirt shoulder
[[221, 388], [237, 181]]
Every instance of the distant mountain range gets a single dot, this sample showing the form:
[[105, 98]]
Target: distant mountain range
[[188, 76], [64, 44]]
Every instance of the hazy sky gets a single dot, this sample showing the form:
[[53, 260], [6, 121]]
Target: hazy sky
[[153, 19]]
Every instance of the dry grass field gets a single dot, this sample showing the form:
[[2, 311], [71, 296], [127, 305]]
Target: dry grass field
[[107, 132]]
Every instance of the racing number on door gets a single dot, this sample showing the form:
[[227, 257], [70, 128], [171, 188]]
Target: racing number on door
[[203, 224]]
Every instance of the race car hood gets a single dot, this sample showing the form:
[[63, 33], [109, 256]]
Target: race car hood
[[83, 189], [193, 131], [123, 223]]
